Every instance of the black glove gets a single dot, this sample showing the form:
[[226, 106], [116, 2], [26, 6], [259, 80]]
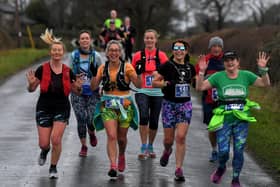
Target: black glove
[[94, 69], [140, 67]]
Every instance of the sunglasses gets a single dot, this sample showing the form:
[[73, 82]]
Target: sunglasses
[[179, 48]]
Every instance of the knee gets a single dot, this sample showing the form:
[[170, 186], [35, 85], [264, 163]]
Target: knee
[[153, 126], [111, 137], [56, 141], [180, 139], [44, 145], [144, 120], [122, 141]]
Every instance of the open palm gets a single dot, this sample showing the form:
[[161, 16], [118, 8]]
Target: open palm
[[262, 59]]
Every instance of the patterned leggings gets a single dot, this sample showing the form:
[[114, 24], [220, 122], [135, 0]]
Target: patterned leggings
[[84, 107], [239, 132]]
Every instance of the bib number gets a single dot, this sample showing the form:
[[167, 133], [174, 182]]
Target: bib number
[[234, 106], [214, 94], [182, 90], [112, 103], [149, 80]]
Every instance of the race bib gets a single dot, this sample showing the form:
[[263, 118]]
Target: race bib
[[112, 103], [214, 94], [182, 90], [234, 106], [148, 80]]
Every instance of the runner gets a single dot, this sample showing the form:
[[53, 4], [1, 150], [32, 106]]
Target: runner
[[148, 99], [113, 16], [53, 107], [111, 33], [83, 62], [175, 78], [231, 117], [209, 97], [116, 111], [129, 33]]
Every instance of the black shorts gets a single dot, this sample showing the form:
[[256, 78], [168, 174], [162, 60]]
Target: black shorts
[[46, 118]]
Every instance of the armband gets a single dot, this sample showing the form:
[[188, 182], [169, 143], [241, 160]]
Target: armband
[[263, 70]]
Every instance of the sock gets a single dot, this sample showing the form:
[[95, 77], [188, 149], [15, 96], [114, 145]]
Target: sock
[[53, 166], [144, 145]]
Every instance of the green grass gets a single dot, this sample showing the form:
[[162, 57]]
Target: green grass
[[13, 60], [264, 136]]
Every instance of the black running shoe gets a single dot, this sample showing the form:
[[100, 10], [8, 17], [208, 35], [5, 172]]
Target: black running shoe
[[53, 173], [43, 157], [113, 173]]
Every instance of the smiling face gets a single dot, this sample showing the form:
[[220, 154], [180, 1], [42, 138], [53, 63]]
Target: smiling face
[[57, 51], [85, 40], [114, 53], [150, 40], [231, 64], [179, 51]]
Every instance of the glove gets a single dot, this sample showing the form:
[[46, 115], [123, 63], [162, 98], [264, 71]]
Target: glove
[[94, 70], [140, 67]]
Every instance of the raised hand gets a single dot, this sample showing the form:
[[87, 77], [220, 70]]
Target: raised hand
[[202, 63], [262, 59], [30, 75]]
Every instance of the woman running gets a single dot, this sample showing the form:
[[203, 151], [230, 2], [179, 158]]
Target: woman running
[[231, 117], [56, 80], [175, 78], [84, 61], [116, 111], [148, 98]]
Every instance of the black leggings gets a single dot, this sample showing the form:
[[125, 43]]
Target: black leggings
[[149, 108]]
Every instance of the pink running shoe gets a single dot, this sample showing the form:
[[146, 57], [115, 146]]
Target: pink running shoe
[[83, 152], [235, 183], [93, 139], [217, 175]]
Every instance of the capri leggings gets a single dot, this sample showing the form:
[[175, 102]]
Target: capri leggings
[[149, 108], [84, 107], [238, 131]]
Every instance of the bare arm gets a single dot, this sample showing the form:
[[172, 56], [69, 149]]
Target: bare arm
[[264, 80], [95, 80], [202, 84]]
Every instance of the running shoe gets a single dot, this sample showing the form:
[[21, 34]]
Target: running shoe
[[83, 152], [179, 176], [165, 157], [43, 157], [143, 154], [113, 174], [121, 163], [213, 157], [53, 173], [217, 175], [235, 183], [93, 139], [151, 152]]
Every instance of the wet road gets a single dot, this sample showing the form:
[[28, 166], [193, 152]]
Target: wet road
[[19, 152]]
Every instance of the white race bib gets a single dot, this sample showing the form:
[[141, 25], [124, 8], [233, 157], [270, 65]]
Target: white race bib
[[182, 90]]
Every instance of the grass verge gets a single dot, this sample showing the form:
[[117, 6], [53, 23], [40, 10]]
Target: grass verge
[[13, 60], [263, 140]]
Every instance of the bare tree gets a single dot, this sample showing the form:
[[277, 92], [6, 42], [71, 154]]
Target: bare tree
[[208, 11]]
